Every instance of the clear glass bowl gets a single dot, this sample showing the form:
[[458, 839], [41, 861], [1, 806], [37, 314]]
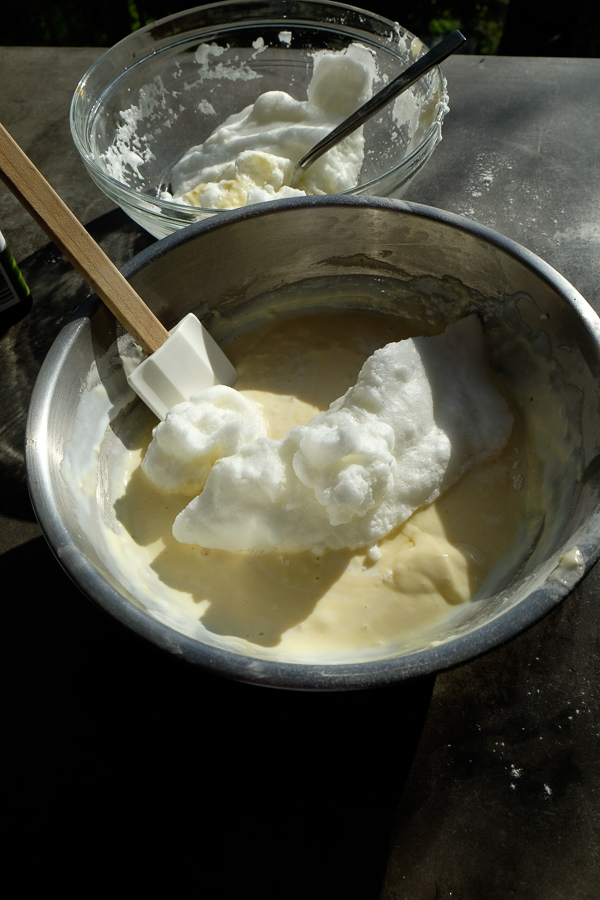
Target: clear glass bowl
[[150, 98]]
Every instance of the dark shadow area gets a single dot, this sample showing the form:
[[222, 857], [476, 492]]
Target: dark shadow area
[[68, 23], [57, 290], [537, 28], [134, 769], [503, 27]]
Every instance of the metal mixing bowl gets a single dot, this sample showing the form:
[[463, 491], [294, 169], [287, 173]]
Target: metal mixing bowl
[[416, 262], [155, 94]]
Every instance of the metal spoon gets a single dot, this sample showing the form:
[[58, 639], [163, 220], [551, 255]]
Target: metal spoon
[[399, 84]]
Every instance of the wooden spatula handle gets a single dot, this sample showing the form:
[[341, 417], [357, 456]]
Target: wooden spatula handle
[[66, 231]]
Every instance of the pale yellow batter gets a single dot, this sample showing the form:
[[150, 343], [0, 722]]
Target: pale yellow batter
[[301, 605]]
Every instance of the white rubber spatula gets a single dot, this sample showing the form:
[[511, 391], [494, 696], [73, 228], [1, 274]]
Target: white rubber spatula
[[181, 362]]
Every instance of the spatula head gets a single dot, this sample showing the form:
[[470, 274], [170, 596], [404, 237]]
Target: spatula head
[[189, 361]]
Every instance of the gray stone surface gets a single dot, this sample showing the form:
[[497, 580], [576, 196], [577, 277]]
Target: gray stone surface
[[504, 796]]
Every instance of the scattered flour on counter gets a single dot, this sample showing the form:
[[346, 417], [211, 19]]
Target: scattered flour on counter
[[421, 413], [206, 108], [581, 232]]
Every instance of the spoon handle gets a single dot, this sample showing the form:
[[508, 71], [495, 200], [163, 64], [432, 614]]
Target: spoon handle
[[399, 84], [66, 231]]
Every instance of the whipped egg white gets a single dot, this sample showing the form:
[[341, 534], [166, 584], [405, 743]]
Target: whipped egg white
[[421, 413], [249, 158]]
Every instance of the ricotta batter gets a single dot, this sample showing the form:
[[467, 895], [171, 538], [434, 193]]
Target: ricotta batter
[[299, 605]]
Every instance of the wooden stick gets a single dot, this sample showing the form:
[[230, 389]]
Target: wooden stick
[[66, 231]]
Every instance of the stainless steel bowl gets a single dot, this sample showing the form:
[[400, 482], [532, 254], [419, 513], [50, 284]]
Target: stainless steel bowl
[[409, 260]]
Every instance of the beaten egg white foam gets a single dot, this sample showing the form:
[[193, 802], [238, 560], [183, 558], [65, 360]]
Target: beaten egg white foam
[[313, 596], [249, 158]]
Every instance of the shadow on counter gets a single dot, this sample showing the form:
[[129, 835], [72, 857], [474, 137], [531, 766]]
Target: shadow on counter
[[57, 291], [134, 768]]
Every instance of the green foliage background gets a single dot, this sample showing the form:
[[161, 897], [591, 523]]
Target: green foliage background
[[509, 27]]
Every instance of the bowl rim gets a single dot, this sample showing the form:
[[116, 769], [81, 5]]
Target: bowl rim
[[167, 208], [292, 675]]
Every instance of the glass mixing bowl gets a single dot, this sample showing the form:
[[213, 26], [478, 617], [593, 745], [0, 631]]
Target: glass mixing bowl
[[166, 87]]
